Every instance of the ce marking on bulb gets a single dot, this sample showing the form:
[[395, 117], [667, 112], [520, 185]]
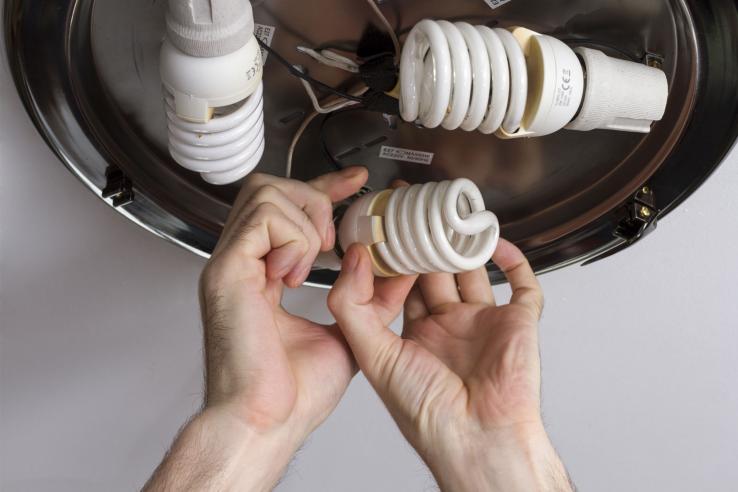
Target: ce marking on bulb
[[566, 80], [254, 68]]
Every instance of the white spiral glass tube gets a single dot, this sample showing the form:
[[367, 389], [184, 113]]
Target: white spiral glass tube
[[429, 228], [520, 83], [463, 76], [438, 227], [211, 72], [224, 149]]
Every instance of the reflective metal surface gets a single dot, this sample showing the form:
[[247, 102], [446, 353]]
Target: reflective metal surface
[[88, 74]]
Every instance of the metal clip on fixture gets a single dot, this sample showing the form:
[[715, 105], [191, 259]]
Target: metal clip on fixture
[[640, 219], [117, 187]]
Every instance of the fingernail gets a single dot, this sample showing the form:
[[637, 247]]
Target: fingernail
[[353, 171], [305, 274], [350, 261], [285, 264], [297, 276], [282, 271], [330, 234]]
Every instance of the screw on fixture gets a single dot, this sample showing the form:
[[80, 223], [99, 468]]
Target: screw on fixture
[[654, 60]]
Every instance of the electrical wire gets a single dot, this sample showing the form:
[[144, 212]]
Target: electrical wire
[[329, 109], [295, 139], [331, 59], [388, 27], [301, 130], [314, 99], [302, 75]]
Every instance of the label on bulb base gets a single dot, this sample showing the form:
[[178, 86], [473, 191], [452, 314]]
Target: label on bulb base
[[494, 4], [265, 34], [406, 155]]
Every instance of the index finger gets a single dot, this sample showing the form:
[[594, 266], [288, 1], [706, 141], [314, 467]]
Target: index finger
[[526, 290], [315, 198]]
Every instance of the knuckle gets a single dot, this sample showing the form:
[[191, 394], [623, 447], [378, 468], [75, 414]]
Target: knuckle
[[540, 305], [325, 203], [264, 193], [305, 245], [335, 300], [263, 210], [310, 230], [212, 275], [252, 182], [207, 275], [324, 208], [255, 179], [313, 251], [304, 222], [267, 190], [535, 301]]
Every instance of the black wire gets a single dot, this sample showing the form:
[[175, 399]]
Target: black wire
[[298, 73], [324, 145]]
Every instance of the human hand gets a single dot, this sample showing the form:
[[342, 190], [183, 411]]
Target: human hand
[[272, 377], [463, 380], [269, 368]]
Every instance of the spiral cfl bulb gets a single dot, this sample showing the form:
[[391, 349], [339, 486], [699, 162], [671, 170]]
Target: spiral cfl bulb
[[429, 228], [211, 71], [519, 83]]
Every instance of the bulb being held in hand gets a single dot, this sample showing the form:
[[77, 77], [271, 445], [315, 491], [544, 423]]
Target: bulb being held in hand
[[429, 228]]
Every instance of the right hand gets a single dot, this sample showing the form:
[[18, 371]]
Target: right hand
[[463, 380]]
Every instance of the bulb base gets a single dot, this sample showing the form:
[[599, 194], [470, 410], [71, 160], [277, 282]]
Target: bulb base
[[620, 95], [199, 85]]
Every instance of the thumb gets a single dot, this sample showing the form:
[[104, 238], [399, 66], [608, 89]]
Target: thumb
[[341, 184], [351, 301]]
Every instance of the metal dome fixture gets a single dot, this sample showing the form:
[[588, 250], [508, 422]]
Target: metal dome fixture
[[90, 75]]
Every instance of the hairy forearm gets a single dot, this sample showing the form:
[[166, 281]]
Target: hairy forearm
[[510, 460], [218, 452]]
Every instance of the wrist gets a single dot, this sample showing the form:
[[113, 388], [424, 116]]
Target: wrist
[[513, 458], [218, 451], [257, 457]]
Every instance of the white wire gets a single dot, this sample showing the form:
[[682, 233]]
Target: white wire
[[332, 55], [295, 139], [306, 122], [331, 59], [303, 126], [314, 99], [387, 26]]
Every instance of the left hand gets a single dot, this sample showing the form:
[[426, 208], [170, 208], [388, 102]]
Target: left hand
[[272, 377], [269, 368]]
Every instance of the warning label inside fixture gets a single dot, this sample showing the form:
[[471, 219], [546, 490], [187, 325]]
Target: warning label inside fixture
[[406, 155], [265, 34], [493, 4]]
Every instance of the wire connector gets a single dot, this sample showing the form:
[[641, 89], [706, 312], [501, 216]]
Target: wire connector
[[379, 72]]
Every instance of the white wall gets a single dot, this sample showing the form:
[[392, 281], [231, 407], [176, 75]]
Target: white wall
[[100, 349]]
